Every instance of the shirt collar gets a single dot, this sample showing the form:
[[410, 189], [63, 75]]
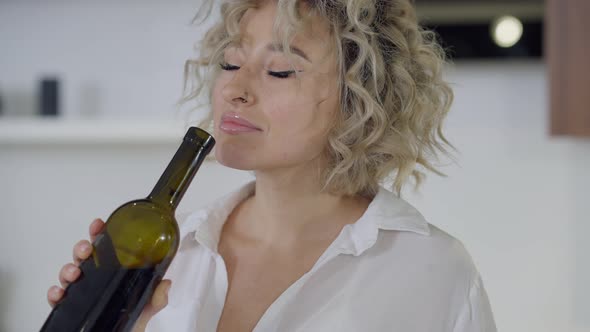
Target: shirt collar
[[205, 225], [386, 211]]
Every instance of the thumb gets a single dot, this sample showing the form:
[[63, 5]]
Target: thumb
[[158, 302], [160, 297]]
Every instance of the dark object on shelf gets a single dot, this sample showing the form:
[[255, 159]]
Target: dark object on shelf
[[49, 97], [474, 41]]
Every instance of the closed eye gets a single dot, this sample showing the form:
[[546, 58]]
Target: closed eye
[[227, 66], [277, 74], [281, 74]]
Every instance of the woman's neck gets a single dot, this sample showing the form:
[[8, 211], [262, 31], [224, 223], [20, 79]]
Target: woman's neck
[[288, 208]]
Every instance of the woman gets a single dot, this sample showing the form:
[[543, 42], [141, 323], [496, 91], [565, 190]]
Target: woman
[[323, 100]]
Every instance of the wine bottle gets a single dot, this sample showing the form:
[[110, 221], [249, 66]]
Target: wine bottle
[[132, 253]]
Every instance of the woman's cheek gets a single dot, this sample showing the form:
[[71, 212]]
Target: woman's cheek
[[217, 99], [283, 114]]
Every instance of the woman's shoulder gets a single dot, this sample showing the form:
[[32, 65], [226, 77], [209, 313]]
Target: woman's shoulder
[[403, 232], [397, 232], [444, 247], [436, 270], [436, 254]]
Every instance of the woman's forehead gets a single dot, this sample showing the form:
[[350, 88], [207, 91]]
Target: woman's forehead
[[259, 25], [308, 26]]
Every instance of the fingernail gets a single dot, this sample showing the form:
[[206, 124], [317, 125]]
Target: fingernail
[[84, 247], [55, 290], [72, 269]]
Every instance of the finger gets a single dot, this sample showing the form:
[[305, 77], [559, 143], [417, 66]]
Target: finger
[[158, 302], [160, 297], [95, 228], [68, 274], [54, 295], [82, 250]]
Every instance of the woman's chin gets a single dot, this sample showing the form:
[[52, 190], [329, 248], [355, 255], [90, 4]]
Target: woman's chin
[[235, 160]]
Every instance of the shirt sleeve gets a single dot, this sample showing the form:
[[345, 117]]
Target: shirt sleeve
[[476, 314]]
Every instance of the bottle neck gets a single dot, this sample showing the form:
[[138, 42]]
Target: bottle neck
[[175, 180]]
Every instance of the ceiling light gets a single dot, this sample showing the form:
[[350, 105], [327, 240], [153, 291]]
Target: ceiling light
[[506, 31]]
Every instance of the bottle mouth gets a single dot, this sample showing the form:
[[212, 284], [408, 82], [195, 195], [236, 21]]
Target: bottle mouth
[[200, 137]]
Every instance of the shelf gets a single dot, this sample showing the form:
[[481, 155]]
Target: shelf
[[90, 131]]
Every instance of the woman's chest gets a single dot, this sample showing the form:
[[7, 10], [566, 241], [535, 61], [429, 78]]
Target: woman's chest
[[340, 295], [256, 280], [252, 290]]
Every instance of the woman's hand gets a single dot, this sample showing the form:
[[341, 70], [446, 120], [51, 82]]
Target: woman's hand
[[70, 273]]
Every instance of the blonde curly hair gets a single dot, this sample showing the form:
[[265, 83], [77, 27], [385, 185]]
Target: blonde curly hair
[[393, 96]]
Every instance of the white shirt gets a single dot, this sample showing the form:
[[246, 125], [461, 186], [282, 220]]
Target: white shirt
[[389, 271]]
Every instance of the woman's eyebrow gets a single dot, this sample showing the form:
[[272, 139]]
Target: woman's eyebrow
[[293, 49]]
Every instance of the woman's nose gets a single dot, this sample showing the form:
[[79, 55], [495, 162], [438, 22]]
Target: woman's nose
[[236, 91]]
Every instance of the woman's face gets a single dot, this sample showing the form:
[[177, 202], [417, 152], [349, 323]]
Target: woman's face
[[265, 117]]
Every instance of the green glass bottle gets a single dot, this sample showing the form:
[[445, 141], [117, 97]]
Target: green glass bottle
[[132, 253]]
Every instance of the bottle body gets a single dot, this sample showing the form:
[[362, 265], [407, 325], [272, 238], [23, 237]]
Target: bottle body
[[132, 253], [129, 259]]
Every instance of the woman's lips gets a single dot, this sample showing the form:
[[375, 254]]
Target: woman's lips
[[232, 123]]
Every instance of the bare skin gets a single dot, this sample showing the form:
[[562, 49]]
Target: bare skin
[[259, 272]]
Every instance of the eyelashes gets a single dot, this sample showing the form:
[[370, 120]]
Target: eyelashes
[[277, 74], [281, 74], [227, 66]]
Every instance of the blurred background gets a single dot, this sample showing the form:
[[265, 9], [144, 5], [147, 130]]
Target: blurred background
[[88, 121]]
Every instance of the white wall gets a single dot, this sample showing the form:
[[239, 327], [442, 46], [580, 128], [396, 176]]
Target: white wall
[[517, 198], [111, 58]]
